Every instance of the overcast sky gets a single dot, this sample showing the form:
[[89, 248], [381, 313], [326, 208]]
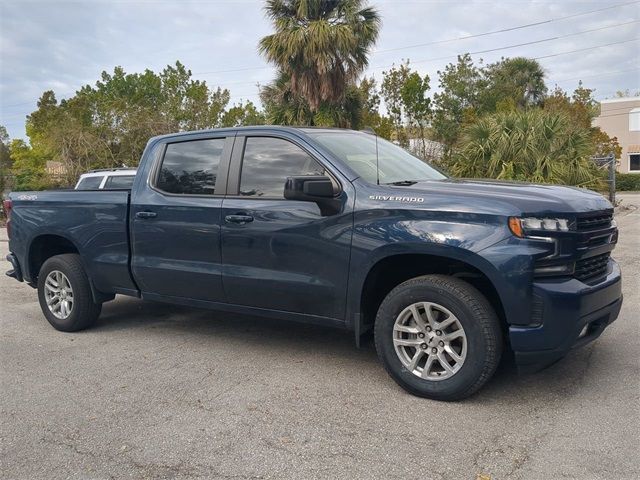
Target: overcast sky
[[64, 45]]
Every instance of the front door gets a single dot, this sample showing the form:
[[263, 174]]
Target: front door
[[176, 221], [282, 254]]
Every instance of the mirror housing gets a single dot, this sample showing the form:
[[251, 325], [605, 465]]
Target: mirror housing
[[310, 188], [313, 188]]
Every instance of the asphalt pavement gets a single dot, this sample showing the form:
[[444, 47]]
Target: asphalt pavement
[[159, 391]]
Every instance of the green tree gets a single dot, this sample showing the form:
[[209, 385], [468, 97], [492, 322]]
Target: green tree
[[468, 92], [581, 108], [5, 159], [284, 107], [457, 103], [243, 114], [28, 167], [370, 115], [320, 47], [531, 145], [405, 94], [391, 91], [417, 108], [513, 82], [109, 124]]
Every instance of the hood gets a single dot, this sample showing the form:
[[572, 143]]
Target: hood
[[517, 197]]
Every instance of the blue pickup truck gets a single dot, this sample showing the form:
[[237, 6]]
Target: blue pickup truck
[[338, 228]]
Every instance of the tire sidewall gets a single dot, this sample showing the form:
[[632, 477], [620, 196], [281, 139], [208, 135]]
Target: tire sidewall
[[81, 293], [477, 349]]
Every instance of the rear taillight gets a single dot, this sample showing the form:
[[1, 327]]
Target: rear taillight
[[6, 208]]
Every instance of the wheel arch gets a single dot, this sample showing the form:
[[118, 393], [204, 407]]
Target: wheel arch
[[388, 271], [44, 246]]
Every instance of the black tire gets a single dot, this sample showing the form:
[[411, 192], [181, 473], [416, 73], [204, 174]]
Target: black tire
[[475, 314], [84, 311]]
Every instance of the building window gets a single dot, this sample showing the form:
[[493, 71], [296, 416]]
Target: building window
[[634, 162], [634, 120]]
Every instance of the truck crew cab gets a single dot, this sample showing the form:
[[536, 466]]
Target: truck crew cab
[[339, 228]]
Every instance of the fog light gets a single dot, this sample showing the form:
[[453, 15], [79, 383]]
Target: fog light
[[564, 269]]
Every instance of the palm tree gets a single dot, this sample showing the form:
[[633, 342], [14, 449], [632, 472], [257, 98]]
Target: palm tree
[[531, 145], [283, 107], [519, 78], [320, 46]]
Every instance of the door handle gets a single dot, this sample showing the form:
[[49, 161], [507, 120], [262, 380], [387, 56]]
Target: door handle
[[238, 218], [146, 215]]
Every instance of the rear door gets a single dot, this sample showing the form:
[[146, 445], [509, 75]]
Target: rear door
[[176, 219], [283, 254]]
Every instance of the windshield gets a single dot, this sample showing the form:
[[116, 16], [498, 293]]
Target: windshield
[[358, 150]]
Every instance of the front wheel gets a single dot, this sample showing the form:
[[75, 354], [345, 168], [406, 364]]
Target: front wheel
[[65, 295], [438, 337]]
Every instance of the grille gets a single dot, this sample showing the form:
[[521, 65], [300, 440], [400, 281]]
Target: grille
[[594, 222], [592, 267]]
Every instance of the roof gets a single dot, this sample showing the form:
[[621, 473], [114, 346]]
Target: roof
[[621, 99], [276, 128]]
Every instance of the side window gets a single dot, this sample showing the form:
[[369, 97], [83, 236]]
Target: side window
[[268, 162], [90, 183], [191, 167], [119, 181]]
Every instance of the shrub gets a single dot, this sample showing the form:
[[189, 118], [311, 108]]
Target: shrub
[[532, 145], [628, 181]]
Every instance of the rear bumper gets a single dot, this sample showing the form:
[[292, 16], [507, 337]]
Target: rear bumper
[[16, 271], [573, 314]]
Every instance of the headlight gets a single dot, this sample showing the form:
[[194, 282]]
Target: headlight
[[519, 226]]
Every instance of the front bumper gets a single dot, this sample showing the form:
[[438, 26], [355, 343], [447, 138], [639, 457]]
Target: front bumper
[[572, 315], [16, 271]]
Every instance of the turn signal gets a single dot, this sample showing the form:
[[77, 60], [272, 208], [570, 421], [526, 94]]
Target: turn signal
[[516, 227]]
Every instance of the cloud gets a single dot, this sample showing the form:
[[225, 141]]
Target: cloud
[[65, 45]]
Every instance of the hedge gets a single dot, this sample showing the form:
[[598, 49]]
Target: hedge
[[628, 182]]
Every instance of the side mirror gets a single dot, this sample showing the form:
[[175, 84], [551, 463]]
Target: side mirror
[[313, 188]]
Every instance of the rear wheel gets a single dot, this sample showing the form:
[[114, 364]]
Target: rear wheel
[[438, 337], [65, 295]]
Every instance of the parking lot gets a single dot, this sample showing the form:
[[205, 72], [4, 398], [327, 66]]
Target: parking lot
[[158, 391]]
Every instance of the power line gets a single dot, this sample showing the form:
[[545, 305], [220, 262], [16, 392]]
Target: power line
[[503, 30], [588, 48], [472, 53], [521, 45], [615, 72]]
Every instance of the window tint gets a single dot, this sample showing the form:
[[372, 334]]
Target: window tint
[[119, 181], [268, 162], [634, 162], [89, 183], [191, 167]]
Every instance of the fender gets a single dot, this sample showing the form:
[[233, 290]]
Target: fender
[[98, 296]]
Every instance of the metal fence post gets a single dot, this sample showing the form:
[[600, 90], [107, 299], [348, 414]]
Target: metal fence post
[[612, 179]]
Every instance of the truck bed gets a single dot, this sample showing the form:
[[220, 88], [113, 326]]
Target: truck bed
[[95, 221]]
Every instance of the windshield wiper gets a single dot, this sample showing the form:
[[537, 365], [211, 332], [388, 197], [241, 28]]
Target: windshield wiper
[[402, 183]]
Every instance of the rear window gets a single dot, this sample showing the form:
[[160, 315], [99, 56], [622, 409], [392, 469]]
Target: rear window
[[119, 181], [89, 183], [191, 167]]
